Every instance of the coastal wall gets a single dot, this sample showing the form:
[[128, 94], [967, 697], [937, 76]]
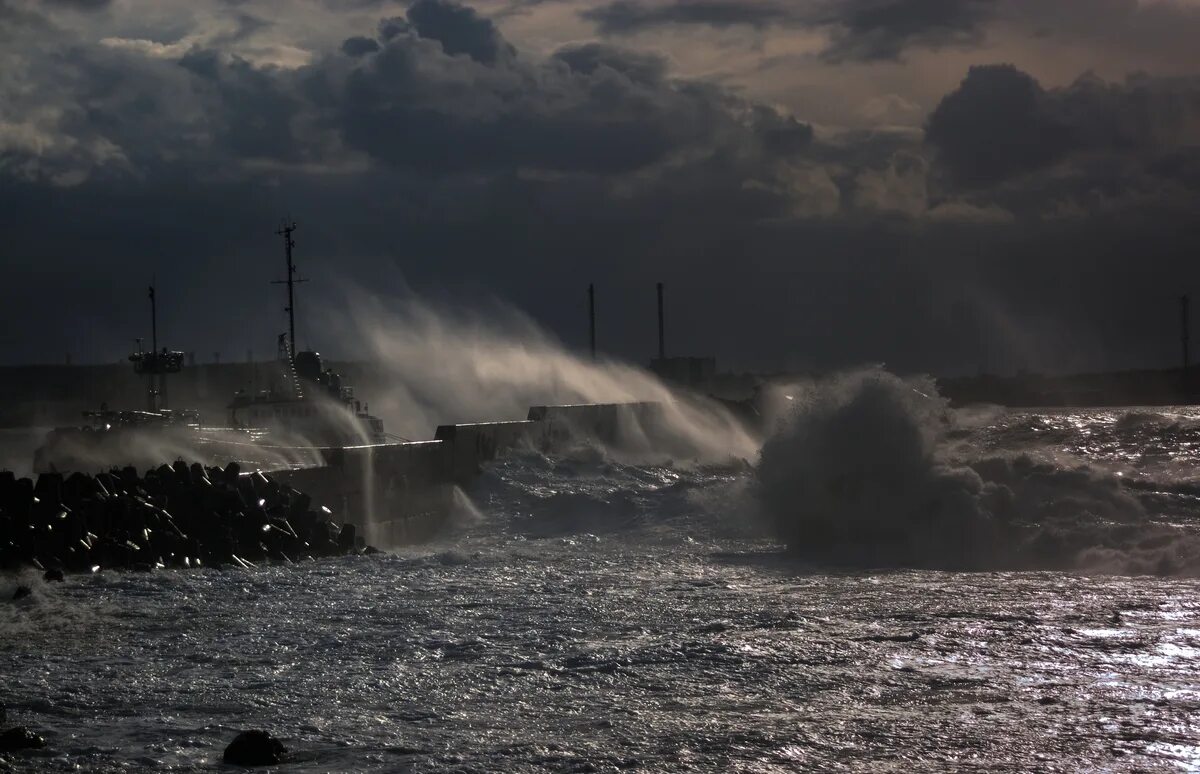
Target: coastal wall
[[402, 493], [398, 492], [470, 446], [609, 423]]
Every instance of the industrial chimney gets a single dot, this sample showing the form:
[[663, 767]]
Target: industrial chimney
[[1184, 329], [592, 318], [662, 346]]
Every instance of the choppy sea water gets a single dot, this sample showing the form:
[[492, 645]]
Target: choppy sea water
[[596, 616]]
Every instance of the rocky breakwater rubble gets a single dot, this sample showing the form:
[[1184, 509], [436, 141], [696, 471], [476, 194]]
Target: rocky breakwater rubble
[[172, 516]]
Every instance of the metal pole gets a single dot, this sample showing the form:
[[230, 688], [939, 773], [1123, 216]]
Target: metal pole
[[592, 318], [662, 347], [288, 243], [153, 322], [291, 283], [151, 393], [1184, 336]]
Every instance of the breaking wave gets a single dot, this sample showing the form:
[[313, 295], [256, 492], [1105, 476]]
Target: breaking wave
[[871, 469]]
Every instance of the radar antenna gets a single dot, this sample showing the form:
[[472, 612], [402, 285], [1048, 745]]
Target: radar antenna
[[286, 231], [155, 364]]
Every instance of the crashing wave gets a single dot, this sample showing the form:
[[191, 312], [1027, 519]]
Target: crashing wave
[[867, 470]]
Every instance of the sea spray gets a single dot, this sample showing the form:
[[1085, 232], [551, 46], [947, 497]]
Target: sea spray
[[853, 475], [491, 363], [868, 469]]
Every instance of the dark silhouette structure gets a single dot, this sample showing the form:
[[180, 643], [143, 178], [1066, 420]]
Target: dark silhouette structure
[[286, 231], [592, 318], [1185, 331], [694, 372], [119, 519], [662, 339], [156, 364]]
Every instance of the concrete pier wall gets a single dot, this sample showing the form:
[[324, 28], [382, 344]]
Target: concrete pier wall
[[402, 493], [609, 423], [399, 493], [473, 445]]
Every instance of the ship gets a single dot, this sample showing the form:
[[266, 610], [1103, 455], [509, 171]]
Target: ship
[[312, 408], [309, 431], [306, 407]]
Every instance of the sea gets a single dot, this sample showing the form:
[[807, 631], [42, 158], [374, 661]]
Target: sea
[[590, 613]]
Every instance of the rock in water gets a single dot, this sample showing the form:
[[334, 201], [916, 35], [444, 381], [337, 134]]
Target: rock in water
[[20, 738], [254, 748], [53, 574], [21, 592]]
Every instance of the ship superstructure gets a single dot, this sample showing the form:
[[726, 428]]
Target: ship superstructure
[[312, 407], [307, 405]]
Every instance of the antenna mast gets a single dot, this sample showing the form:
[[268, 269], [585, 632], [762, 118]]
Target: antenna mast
[[286, 231], [1185, 330], [662, 338], [153, 321], [155, 363], [151, 393], [592, 318]]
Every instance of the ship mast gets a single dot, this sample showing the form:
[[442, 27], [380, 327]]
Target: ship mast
[[155, 363], [286, 231], [153, 321], [151, 393]]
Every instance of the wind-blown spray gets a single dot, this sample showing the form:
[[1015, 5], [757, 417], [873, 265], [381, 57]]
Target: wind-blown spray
[[452, 366], [865, 471]]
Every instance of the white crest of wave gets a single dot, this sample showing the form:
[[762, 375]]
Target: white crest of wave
[[864, 471], [491, 363]]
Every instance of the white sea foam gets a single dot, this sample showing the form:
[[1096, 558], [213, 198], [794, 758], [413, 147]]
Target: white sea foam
[[868, 468], [445, 365]]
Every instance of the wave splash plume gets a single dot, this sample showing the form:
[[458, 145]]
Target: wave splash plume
[[870, 469]]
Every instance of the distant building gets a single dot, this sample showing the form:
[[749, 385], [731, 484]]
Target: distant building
[[694, 372]]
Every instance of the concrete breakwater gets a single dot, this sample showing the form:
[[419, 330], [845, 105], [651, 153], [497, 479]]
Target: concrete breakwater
[[189, 515], [405, 491], [173, 516]]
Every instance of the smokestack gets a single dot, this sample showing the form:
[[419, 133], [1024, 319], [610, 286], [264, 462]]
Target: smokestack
[[592, 318], [662, 346], [1184, 328]]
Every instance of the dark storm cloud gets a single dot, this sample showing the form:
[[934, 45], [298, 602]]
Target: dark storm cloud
[[85, 5], [1001, 124], [633, 15], [860, 30], [390, 28], [884, 29], [589, 109], [995, 125], [409, 99], [430, 143], [459, 29], [253, 113], [585, 154], [590, 57], [359, 46]]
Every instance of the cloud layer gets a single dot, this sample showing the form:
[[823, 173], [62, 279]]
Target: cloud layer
[[425, 140]]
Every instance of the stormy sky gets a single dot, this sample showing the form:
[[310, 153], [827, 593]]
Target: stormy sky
[[941, 185]]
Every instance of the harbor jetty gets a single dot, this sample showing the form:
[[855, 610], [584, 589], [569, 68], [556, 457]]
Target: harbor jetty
[[172, 516], [190, 514], [405, 490]]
